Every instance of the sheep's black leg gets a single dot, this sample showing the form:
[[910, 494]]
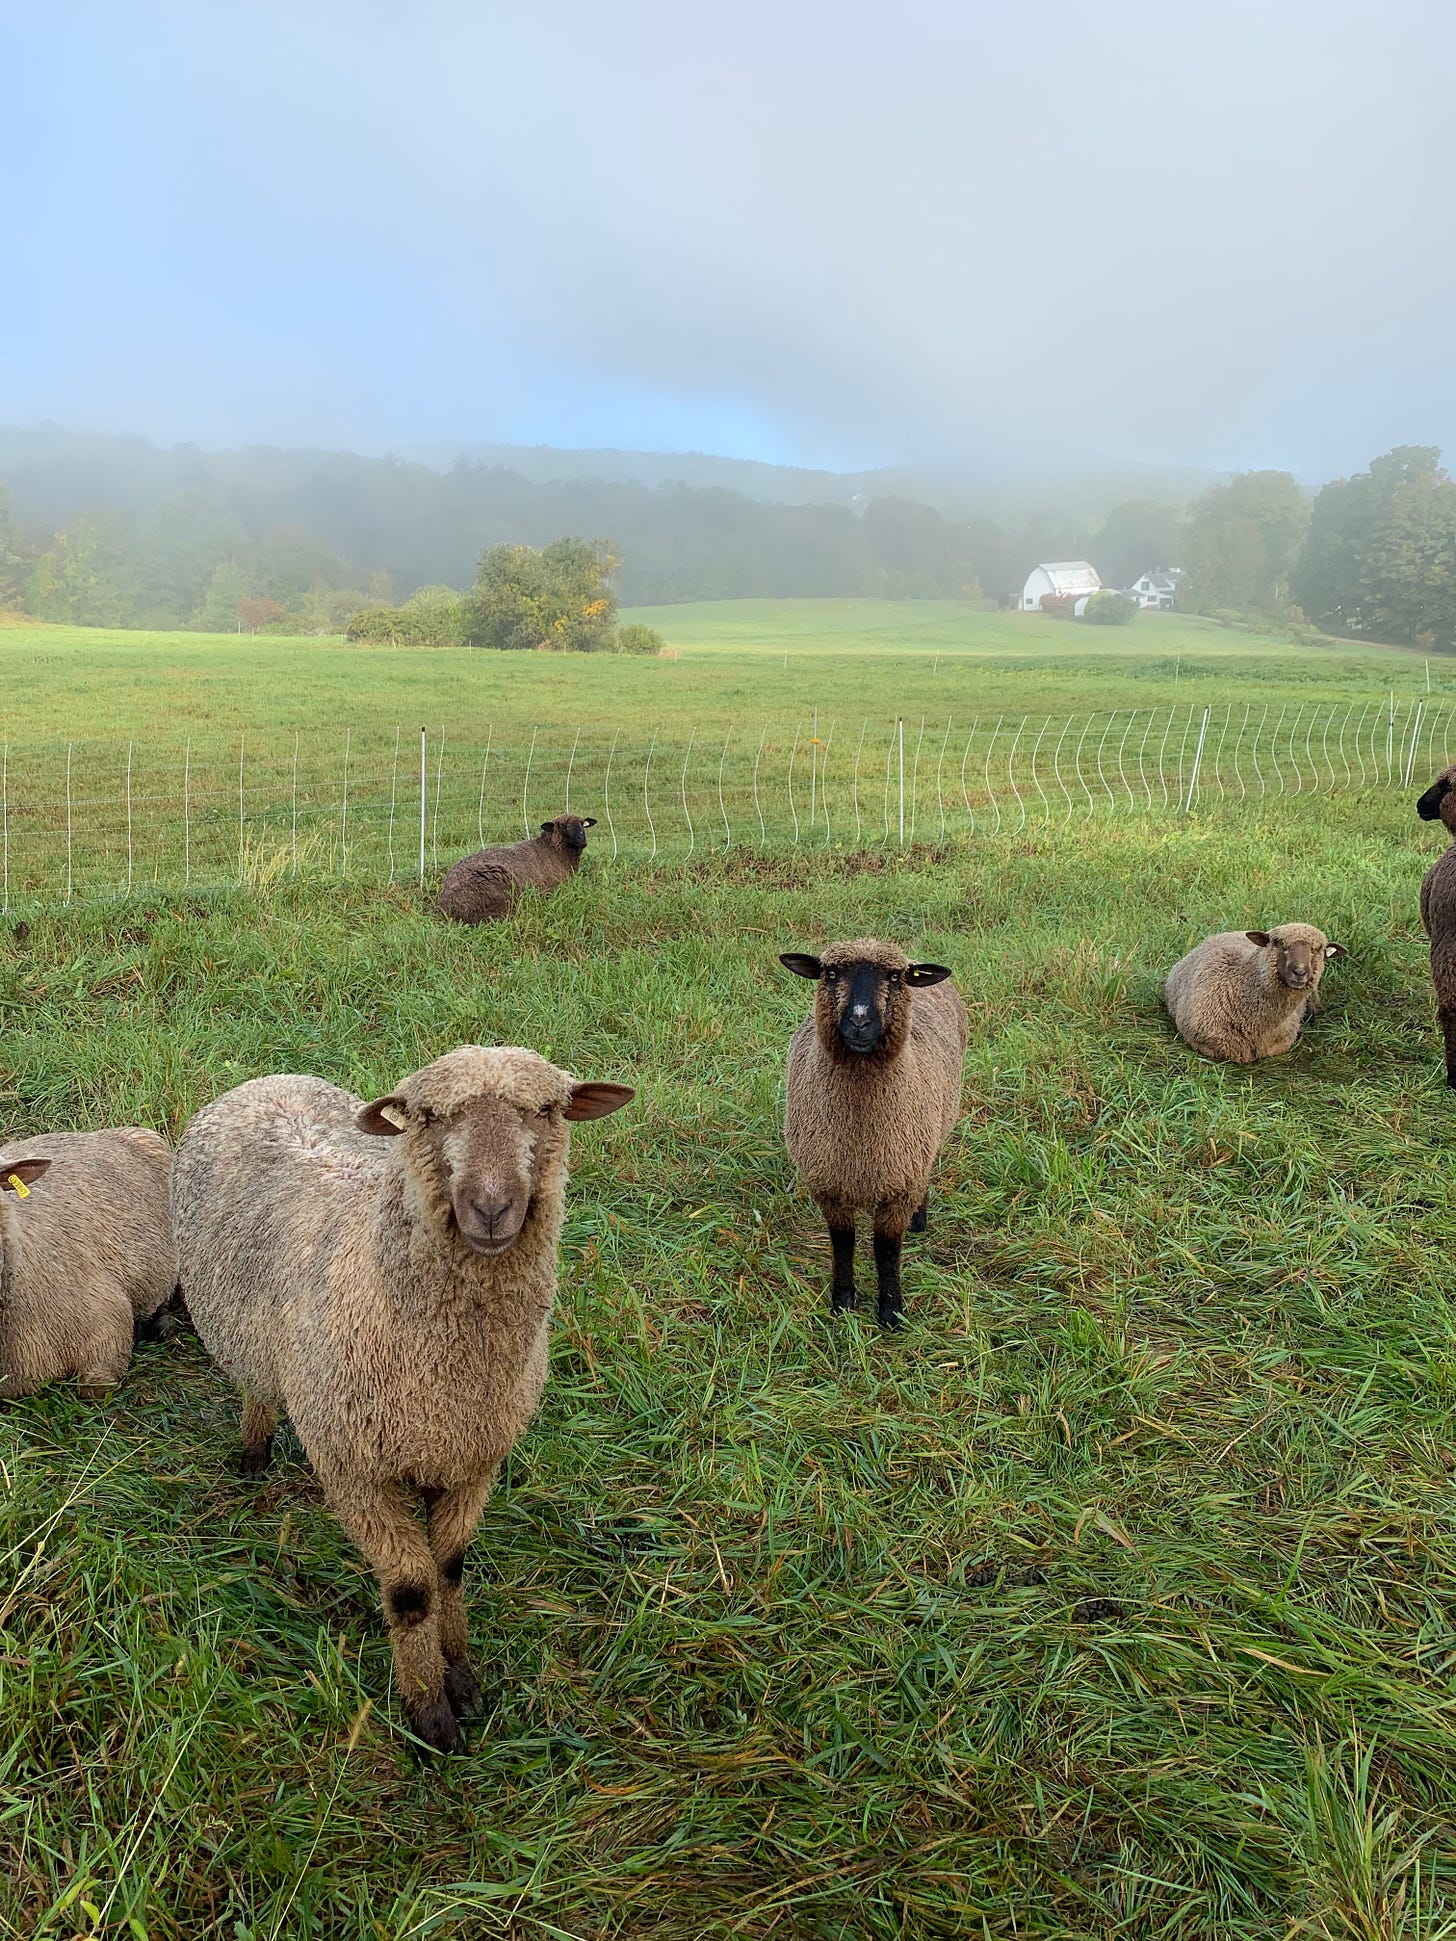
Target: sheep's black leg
[[887, 1272], [1446, 1016], [842, 1292], [921, 1219]]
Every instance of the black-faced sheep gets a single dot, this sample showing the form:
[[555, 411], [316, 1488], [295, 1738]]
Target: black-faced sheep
[[488, 885], [874, 1088], [385, 1274], [1244, 995], [86, 1257], [1438, 911]]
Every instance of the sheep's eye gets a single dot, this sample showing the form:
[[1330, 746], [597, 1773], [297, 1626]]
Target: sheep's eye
[[894, 980], [831, 976], [543, 1112]]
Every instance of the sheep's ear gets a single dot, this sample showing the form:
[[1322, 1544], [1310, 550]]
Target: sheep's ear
[[1428, 808], [591, 1101], [385, 1118], [801, 963], [588, 822], [22, 1175], [1259, 937], [1336, 950], [922, 974], [548, 828]]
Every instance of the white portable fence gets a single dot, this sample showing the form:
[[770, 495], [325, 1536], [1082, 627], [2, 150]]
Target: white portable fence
[[376, 804]]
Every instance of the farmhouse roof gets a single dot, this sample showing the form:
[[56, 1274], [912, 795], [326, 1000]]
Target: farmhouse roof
[[1071, 575]]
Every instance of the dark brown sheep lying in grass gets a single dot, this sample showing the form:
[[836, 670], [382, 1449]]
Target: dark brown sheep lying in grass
[[486, 886]]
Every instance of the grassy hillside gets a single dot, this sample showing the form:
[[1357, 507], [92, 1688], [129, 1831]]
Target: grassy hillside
[[1114, 1597]]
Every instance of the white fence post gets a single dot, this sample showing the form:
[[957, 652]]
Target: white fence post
[[900, 743], [526, 782], [128, 818], [647, 799], [424, 790], [687, 818], [242, 744], [606, 791], [1197, 758], [294, 824]]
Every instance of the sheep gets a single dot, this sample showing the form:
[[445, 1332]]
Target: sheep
[[487, 885], [393, 1299], [874, 1088], [1438, 911], [1244, 995], [86, 1260]]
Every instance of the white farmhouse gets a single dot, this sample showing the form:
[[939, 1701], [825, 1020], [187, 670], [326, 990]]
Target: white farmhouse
[[1158, 587], [1058, 579]]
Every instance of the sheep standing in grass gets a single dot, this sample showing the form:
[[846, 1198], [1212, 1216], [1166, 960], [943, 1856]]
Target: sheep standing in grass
[[487, 885], [86, 1259], [1244, 995], [874, 1088], [1438, 911], [385, 1274]]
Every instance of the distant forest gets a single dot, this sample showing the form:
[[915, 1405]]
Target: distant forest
[[111, 531]]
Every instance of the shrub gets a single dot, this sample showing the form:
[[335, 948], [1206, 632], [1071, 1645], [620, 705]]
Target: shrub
[[376, 625], [637, 639], [1110, 610]]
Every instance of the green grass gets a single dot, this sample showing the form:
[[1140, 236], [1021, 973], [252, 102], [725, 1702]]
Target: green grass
[[305, 729], [787, 1625], [1116, 1597]]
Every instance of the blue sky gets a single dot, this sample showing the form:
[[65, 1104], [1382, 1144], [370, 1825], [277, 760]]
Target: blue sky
[[818, 233]]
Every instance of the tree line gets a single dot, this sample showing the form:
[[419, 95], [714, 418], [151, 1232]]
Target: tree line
[[115, 532]]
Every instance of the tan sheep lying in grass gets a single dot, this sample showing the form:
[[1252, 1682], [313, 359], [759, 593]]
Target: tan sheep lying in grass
[[85, 1255], [1244, 995], [488, 885], [385, 1274], [874, 1088]]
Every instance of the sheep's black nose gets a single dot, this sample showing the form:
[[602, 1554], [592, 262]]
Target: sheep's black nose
[[860, 1034]]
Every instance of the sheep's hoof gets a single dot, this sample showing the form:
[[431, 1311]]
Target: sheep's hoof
[[891, 1314], [922, 1218], [160, 1326], [1451, 1077], [93, 1391], [434, 1724], [841, 1300], [462, 1688], [255, 1458]]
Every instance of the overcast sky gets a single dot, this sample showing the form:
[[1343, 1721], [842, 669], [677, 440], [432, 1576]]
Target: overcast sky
[[826, 232]]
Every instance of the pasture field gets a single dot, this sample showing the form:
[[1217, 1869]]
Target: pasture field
[[134, 759], [1116, 1596]]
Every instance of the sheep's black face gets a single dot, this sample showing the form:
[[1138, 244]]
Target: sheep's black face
[[863, 998], [1438, 804], [570, 830], [863, 1006]]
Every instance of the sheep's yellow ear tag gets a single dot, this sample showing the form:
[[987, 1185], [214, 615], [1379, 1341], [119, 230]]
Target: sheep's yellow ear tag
[[394, 1116], [22, 1191]]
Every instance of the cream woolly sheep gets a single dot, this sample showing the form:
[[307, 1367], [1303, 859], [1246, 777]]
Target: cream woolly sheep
[[1244, 995], [385, 1273], [487, 885], [874, 1088], [86, 1256], [1438, 911]]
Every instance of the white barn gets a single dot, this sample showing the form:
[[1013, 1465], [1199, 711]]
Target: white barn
[[1058, 579], [1158, 587]]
